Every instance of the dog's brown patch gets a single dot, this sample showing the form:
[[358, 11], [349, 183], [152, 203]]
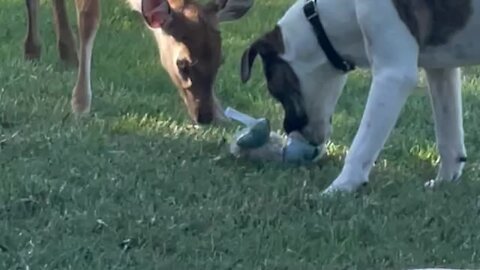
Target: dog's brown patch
[[282, 82], [434, 22]]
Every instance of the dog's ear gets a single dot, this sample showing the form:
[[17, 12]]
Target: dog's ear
[[248, 58], [269, 46]]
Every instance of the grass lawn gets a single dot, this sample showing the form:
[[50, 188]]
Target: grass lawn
[[134, 186]]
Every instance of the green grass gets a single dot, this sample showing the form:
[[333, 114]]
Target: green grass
[[134, 186]]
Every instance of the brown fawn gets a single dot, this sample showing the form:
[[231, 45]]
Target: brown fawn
[[187, 34]]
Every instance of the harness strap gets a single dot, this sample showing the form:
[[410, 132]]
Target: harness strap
[[310, 10]]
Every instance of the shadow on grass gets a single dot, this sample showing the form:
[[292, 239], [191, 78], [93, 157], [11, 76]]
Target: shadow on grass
[[150, 187]]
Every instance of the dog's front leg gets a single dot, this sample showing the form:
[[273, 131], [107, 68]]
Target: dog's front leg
[[393, 55], [446, 99]]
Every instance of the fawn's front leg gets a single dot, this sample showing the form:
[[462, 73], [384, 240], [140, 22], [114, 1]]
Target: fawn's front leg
[[88, 17]]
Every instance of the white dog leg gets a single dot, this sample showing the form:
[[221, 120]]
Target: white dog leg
[[446, 98], [393, 53]]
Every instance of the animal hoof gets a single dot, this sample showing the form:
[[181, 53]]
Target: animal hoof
[[32, 52], [67, 54], [80, 107]]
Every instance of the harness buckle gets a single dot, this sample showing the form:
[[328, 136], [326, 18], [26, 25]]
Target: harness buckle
[[311, 8]]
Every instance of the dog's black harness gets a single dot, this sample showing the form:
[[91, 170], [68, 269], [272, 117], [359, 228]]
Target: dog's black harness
[[310, 10]]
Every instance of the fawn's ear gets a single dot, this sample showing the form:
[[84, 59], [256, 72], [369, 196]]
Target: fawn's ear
[[229, 10], [156, 13]]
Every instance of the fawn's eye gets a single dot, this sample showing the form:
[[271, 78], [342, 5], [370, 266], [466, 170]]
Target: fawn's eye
[[183, 64], [184, 69]]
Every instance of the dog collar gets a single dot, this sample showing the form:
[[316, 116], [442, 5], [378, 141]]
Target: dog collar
[[310, 10]]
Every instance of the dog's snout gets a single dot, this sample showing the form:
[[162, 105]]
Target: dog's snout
[[315, 136]]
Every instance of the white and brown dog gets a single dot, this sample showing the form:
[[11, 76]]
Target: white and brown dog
[[307, 56]]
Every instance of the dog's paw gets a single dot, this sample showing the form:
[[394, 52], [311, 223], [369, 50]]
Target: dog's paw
[[434, 183], [430, 184], [331, 191], [441, 178], [343, 186]]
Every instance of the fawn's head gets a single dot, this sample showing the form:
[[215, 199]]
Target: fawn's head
[[191, 47]]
